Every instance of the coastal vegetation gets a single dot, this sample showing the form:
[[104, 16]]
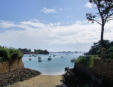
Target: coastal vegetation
[[25, 50], [95, 52], [35, 51], [95, 49], [40, 51], [86, 60], [7, 54]]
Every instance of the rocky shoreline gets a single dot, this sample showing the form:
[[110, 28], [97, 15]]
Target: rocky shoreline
[[17, 75]]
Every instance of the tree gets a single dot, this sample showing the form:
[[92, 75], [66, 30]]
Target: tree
[[103, 15]]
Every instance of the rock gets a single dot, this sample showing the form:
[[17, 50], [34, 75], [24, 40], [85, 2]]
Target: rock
[[16, 75], [81, 76]]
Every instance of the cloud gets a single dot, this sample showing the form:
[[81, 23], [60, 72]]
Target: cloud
[[48, 10], [6, 24], [88, 5], [53, 36]]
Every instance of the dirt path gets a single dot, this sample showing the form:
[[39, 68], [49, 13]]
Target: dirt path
[[39, 81]]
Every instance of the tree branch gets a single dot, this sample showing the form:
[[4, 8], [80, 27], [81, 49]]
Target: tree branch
[[109, 19], [98, 22], [109, 16]]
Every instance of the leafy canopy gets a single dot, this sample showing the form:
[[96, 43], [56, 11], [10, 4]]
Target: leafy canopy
[[104, 11]]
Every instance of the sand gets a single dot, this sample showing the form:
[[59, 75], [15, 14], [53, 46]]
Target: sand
[[39, 81]]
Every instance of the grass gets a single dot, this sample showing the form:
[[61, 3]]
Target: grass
[[86, 60]]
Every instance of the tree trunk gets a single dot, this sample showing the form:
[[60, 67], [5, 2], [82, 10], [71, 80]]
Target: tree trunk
[[102, 42], [102, 34]]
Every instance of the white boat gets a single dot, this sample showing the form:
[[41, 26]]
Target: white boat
[[39, 59], [54, 55]]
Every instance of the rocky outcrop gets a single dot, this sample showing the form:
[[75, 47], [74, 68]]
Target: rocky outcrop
[[11, 65], [16, 75], [82, 76], [103, 67]]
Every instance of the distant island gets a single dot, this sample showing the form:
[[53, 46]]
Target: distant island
[[70, 52], [36, 51]]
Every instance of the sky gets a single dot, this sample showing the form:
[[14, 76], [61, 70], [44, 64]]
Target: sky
[[55, 25]]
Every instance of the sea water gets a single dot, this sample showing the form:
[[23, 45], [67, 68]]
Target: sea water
[[55, 66]]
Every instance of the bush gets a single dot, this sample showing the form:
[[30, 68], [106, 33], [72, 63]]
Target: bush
[[7, 54], [110, 53], [96, 49], [15, 53], [86, 60], [4, 54]]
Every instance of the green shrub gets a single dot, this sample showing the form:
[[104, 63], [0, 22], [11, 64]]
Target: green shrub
[[4, 54], [7, 54], [86, 60], [110, 53], [96, 49], [15, 53]]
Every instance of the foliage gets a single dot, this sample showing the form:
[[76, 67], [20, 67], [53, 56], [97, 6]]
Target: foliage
[[4, 54], [25, 50], [41, 51], [15, 53], [95, 49], [104, 11], [86, 60], [36, 51], [7, 54]]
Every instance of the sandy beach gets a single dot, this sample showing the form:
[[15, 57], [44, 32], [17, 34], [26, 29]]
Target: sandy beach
[[39, 81]]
